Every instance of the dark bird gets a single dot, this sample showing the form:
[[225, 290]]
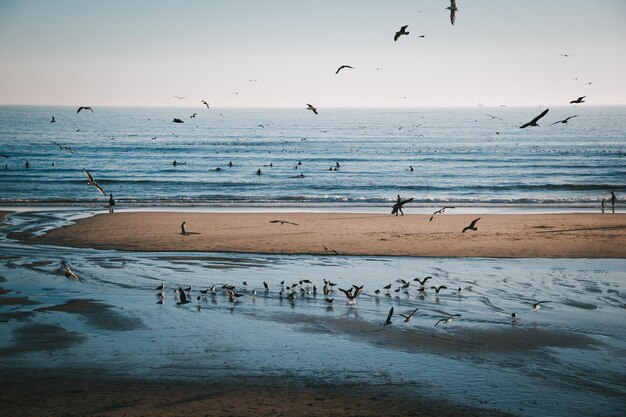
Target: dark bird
[[422, 281], [565, 55], [578, 100], [439, 288], [410, 316], [494, 117], [537, 305], [472, 226], [401, 32], [447, 319], [387, 287], [193, 115], [84, 108], [453, 9], [311, 107], [342, 67], [205, 103], [177, 121], [283, 222], [91, 181], [388, 321], [160, 287], [564, 120], [439, 212], [534, 121], [53, 120], [267, 288], [183, 297], [327, 249], [329, 300]]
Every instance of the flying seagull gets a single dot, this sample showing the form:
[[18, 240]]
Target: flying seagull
[[534, 121], [342, 67], [283, 222], [401, 32], [388, 321], [327, 249], [439, 288], [91, 181], [453, 9], [53, 120], [439, 211], [447, 319], [472, 226], [578, 100], [564, 120], [422, 281], [180, 98], [205, 103], [494, 117], [312, 108], [193, 115], [537, 305], [410, 316], [84, 108]]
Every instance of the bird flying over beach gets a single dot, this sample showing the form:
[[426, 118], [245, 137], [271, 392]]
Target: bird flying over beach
[[91, 181], [342, 67], [388, 321], [472, 226], [401, 32], [205, 103], [534, 121], [312, 108], [410, 316], [578, 100], [493, 117], [423, 280], [283, 222], [564, 120], [439, 211], [447, 319], [84, 108], [453, 9], [327, 249]]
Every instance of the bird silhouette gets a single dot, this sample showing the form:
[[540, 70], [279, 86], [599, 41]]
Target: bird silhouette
[[312, 108], [91, 181], [447, 319], [401, 32], [205, 103], [564, 120], [410, 316], [439, 212], [453, 9], [342, 67], [578, 100], [388, 321], [84, 108], [534, 121], [472, 226]]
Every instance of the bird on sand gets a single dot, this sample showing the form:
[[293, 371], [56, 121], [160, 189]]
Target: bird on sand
[[534, 121], [537, 305], [205, 103], [160, 287], [283, 222], [327, 249], [401, 32], [422, 281], [388, 321], [69, 273], [564, 120], [183, 297], [312, 108], [439, 288], [439, 212], [453, 9], [84, 108], [410, 316], [91, 181], [472, 226], [578, 100], [342, 67], [447, 319]]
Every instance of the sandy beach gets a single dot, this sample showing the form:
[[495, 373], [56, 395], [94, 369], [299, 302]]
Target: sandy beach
[[498, 235]]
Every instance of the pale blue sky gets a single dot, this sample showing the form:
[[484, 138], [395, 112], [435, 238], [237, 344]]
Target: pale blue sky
[[144, 52]]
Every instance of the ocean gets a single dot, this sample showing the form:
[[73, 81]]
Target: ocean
[[459, 156]]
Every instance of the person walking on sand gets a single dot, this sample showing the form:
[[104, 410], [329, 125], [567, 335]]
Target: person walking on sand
[[613, 200], [111, 203], [399, 204], [603, 206]]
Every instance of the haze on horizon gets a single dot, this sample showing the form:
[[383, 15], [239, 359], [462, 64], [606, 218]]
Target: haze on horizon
[[142, 53]]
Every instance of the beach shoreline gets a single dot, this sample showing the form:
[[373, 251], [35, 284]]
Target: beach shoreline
[[556, 235]]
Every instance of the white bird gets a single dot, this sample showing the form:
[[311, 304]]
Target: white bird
[[537, 305], [447, 319], [91, 181]]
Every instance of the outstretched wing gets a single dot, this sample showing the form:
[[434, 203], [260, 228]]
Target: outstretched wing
[[473, 223], [100, 189], [536, 119], [388, 321], [89, 177]]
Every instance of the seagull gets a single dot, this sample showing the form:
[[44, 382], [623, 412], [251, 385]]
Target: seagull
[[439, 211], [283, 222], [177, 121], [180, 98], [537, 305], [564, 120], [84, 108], [410, 316], [310, 107], [53, 120], [401, 32], [91, 181], [387, 287], [534, 121], [193, 115], [329, 300], [342, 67], [205, 103], [327, 249], [447, 319], [422, 281], [183, 297], [267, 287], [578, 100], [472, 226], [439, 288], [494, 117], [388, 321], [160, 287], [453, 9], [69, 273]]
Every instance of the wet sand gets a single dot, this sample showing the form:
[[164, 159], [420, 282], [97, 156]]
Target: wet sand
[[498, 235]]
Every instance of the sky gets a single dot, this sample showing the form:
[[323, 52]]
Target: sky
[[142, 53]]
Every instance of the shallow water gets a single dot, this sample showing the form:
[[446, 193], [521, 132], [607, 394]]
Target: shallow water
[[568, 358], [457, 156]]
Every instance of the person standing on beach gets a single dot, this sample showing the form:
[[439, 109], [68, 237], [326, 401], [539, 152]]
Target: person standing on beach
[[613, 200], [603, 206], [111, 203], [399, 204]]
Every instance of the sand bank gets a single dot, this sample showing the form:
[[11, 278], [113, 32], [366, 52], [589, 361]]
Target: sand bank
[[498, 235]]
